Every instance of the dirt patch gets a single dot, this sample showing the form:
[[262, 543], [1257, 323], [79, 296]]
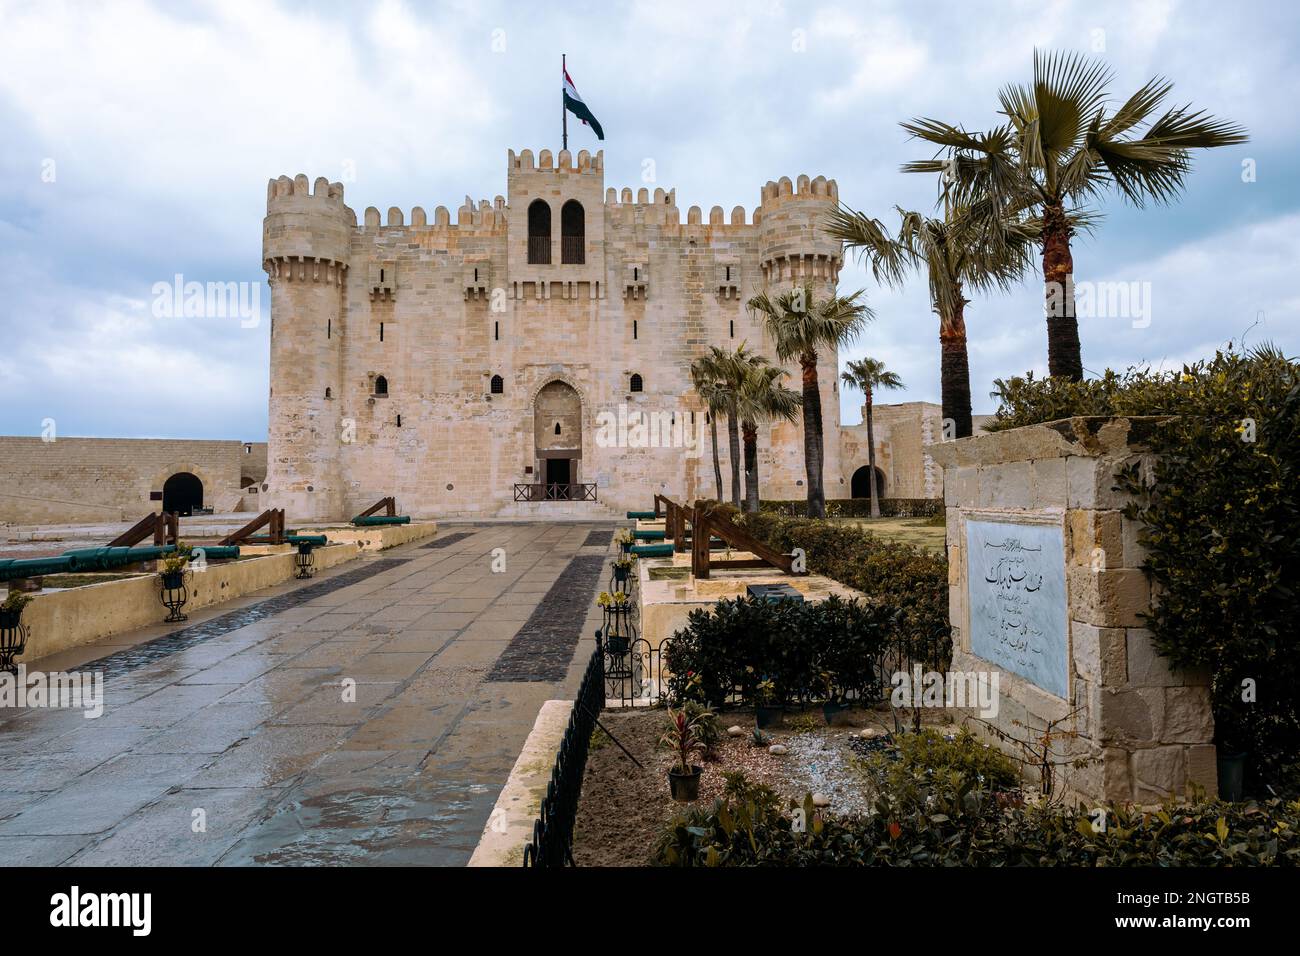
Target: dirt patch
[[623, 808]]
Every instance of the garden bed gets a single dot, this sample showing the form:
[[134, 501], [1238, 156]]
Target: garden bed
[[623, 808]]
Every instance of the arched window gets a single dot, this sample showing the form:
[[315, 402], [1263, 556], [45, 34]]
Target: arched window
[[637, 385], [573, 233], [539, 233], [381, 385], [557, 428], [498, 385], [328, 393]]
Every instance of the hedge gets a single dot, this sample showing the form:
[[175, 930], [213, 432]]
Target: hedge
[[909, 579], [799, 646], [957, 824], [859, 507]]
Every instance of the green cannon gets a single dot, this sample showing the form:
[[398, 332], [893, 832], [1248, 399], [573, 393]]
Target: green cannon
[[643, 515], [315, 540], [373, 520], [104, 559], [652, 550], [649, 535], [216, 552], [11, 569]]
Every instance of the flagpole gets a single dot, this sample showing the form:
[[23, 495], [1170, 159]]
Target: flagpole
[[564, 114]]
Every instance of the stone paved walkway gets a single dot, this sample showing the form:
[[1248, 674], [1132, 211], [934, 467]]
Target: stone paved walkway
[[249, 724]]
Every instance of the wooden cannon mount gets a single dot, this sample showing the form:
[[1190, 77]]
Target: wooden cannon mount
[[707, 523]]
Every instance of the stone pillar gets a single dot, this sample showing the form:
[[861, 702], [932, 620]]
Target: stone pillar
[[1046, 589]]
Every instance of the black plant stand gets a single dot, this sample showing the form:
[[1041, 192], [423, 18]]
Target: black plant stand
[[174, 595], [13, 640], [304, 562]]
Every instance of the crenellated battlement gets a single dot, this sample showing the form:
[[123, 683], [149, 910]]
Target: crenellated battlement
[[547, 161], [775, 193], [486, 216]]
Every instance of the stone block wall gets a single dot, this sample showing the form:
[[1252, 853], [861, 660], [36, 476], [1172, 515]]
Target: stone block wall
[[1145, 729], [110, 479]]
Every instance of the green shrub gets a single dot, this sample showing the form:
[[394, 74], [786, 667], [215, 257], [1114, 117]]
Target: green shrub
[[744, 642], [909, 579], [970, 759], [858, 507], [964, 826]]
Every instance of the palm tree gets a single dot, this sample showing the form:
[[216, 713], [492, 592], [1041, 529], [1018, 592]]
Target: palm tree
[[761, 398], [800, 326], [870, 374], [707, 375], [969, 248], [1060, 146]]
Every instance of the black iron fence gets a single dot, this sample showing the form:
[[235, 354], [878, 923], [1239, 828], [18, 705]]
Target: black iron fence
[[555, 492], [552, 842]]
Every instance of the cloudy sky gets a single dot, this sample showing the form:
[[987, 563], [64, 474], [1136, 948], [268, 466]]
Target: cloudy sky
[[137, 139]]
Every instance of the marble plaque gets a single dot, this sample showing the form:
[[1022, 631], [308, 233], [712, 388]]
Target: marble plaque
[[1016, 589]]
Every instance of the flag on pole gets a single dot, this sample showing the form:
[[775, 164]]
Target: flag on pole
[[573, 103]]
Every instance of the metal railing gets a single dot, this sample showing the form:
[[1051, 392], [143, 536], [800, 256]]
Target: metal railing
[[539, 250], [555, 492], [573, 250], [552, 841]]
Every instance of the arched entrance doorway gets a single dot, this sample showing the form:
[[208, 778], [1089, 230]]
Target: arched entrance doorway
[[557, 440], [862, 483], [182, 493]]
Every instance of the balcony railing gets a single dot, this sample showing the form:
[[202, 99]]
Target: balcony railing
[[539, 250], [555, 492], [573, 250]]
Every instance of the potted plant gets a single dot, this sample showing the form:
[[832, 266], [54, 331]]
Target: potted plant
[[1232, 772], [11, 609], [172, 567], [623, 567], [680, 737], [834, 707], [13, 636], [625, 539], [767, 712], [617, 629]]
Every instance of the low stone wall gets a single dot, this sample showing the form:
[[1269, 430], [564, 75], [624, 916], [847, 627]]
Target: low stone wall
[[510, 824], [1046, 589], [60, 620], [665, 605]]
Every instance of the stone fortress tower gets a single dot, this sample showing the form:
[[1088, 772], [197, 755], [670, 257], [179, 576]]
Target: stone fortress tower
[[473, 367]]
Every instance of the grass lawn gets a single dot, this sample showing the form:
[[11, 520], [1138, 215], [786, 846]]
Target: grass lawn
[[917, 531]]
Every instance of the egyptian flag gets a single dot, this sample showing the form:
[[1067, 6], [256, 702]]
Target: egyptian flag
[[573, 103]]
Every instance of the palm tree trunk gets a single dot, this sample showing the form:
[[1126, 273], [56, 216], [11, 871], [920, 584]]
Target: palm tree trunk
[[812, 436], [717, 466], [871, 455], [751, 467], [733, 447], [1064, 356], [954, 373]]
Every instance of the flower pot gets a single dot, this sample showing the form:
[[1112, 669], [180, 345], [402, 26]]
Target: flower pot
[[625, 546], [621, 575], [9, 619], [837, 715], [616, 644], [768, 715], [1232, 770], [173, 579], [685, 787]]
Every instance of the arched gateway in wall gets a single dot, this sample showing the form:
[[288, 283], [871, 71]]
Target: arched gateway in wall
[[557, 440]]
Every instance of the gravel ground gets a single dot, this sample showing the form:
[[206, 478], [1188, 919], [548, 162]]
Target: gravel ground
[[623, 808]]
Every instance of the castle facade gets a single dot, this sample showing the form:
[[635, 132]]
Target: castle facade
[[531, 357]]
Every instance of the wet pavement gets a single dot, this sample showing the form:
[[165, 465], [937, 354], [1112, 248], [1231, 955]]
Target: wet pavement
[[353, 719]]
